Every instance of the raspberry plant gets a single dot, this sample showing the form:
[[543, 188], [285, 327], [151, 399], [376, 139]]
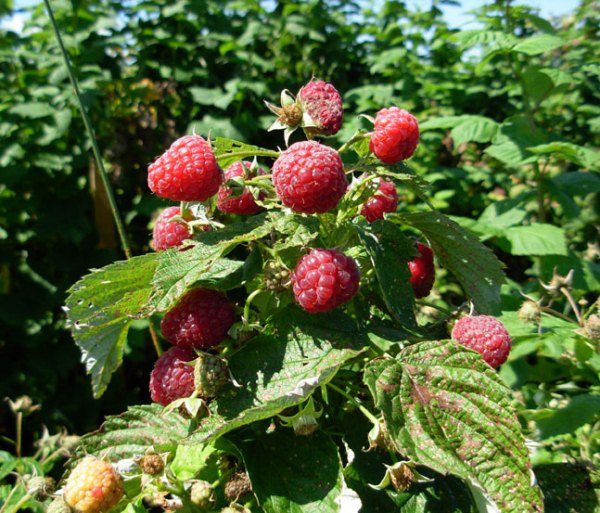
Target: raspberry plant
[[297, 343]]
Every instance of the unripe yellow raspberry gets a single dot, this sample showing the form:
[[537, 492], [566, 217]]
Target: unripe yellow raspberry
[[93, 486]]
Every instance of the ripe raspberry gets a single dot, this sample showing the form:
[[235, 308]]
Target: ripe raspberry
[[93, 486], [244, 203], [172, 377], [396, 135], [169, 234], [384, 200], [324, 279], [422, 271], [322, 102], [187, 171], [201, 319], [309, 177], [486, 335]]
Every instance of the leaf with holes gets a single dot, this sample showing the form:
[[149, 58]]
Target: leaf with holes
[[133, 432], [100, 309], [447, 409]]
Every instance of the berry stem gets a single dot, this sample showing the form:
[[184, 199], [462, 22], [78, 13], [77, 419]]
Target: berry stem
[[355, 402], [250, 153], [88, 126], [355, 138]]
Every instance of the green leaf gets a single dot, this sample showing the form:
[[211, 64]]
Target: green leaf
[[569, 487], [216, 97], [538, 44], [578, 183], [587, 158], [200, 461], [32, 110], [294, 474], [474, 265], [581, 409], [510, 143], [278, 370], [131, 433], [537, 84], [534, 239], [447, 409], [201, 266], [100, 309], [390, 250], [474, 128]]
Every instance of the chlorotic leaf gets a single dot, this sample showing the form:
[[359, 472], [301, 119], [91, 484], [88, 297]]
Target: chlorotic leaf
[[448, 410]]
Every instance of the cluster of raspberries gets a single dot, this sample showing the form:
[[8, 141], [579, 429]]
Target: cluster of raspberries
[[308, 178]]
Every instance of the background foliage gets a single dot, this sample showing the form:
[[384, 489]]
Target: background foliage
[[510, 119]]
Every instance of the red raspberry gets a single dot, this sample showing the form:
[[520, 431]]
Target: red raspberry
[[396, 135], [169, 234], [422, 271], [309, 177], [93, 486], [324, 279], [384, 200], [187, 171], [172, 378], [201, 319], [486, 335], [322, 102], [243, 203]]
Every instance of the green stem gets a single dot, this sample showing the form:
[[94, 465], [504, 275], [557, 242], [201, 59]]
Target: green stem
[[249, 153], [19, 503], [91, 134], [249, 300], [223, 477], [355, 402]]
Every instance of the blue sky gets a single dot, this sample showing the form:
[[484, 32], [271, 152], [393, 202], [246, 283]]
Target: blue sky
[[457, 16]]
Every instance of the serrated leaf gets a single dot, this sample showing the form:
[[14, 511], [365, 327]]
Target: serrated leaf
[[474, 128], [202, 266], [294, 474], [510, 144], [448, 410], [390, 250], [538, 44], [474, 265], [278, 370], [31, 110], [100, 309], [587, 158], [131, 433]]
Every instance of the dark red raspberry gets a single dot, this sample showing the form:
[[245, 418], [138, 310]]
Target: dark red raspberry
[[244, 203], [324, 279], [384, 200], [396, 135], [169, 234], [309, 177], [322, 102], [422, 271], [172, 377], [187, 171], [486, 335], [201, 319]]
